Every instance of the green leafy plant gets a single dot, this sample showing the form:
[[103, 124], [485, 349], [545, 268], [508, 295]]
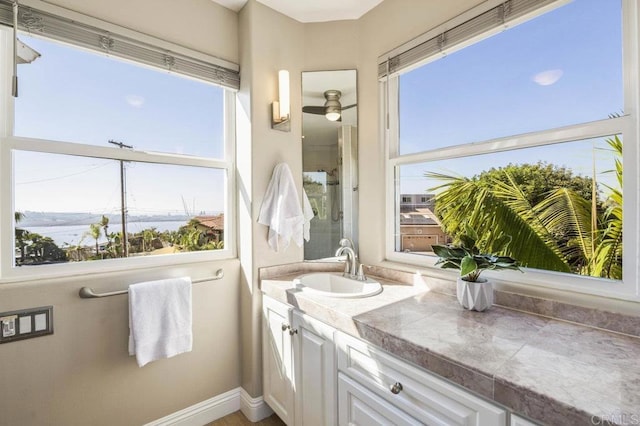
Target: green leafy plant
[[468, 256]]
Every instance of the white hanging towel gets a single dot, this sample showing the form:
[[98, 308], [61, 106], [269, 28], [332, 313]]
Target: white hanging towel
[[160, 319], [281, 210]]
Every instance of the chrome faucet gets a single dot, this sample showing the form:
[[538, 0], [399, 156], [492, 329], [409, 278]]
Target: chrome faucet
[[351, 267]]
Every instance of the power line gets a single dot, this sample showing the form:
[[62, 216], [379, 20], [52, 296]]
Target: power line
[[62, 176]]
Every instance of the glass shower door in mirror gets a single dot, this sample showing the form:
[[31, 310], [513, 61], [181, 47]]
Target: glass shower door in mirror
[[329, 158]]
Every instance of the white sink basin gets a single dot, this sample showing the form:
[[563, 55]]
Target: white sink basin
[[335, 285]]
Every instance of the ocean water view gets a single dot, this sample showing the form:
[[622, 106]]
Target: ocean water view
[[64, 235]]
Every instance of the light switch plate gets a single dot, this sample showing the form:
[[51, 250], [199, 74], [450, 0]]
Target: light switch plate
[[41, 321], [26, 323]]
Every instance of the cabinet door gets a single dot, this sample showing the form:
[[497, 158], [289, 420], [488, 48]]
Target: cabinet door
[[358, 406], [315, 372], [277, 360]]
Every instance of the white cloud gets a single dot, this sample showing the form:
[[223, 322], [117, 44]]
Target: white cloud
[[135, 100], [547, 78]]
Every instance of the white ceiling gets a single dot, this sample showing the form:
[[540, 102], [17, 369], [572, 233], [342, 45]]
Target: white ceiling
[[312, 10]]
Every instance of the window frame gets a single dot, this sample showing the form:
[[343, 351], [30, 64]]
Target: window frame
[[628, 125], [9, 142]]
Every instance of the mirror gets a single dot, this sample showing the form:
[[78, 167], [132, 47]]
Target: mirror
[[329, 158]]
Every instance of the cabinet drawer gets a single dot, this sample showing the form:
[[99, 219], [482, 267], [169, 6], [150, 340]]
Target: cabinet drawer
[[361, 407], [420, 394], [519, 421]]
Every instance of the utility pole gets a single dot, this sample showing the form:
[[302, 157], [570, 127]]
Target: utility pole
[[123, 200]]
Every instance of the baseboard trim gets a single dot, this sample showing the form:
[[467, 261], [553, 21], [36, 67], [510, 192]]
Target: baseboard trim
[[254, 409], [203, 412]]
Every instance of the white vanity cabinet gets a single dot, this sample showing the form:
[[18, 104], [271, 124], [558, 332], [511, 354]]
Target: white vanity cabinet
[[408, 392], [299, 366], [316, 375]]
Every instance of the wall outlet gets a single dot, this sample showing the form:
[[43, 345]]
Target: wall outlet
[[8, 325]]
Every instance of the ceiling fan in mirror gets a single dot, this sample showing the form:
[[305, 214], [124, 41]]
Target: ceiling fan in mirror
[[332, 108]]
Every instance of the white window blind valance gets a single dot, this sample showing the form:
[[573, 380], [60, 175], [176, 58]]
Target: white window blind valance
[[416, 51], [59, 28]]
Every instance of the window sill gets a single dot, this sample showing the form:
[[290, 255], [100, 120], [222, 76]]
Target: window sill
[[96, 268], [544, 284]]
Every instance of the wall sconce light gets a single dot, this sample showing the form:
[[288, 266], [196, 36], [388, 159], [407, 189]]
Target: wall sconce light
[[281, 109]]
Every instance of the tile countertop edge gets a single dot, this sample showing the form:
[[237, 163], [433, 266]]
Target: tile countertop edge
[[538, 406], [490, 385]]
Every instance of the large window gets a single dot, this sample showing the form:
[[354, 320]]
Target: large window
[[109, 158], [521, 131]]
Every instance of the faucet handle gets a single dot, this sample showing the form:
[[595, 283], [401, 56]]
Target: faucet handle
[[361, 276], [345, 242]]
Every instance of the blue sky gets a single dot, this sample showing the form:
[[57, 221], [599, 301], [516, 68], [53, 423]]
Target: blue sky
[[76, 96], [562, 68]]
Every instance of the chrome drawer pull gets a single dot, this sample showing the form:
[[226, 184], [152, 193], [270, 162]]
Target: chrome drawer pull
[[396, 388]]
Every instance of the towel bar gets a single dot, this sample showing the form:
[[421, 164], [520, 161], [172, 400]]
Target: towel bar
[[88, 293]]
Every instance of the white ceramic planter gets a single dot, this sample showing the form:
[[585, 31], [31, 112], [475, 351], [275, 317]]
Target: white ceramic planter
[[475, 296]]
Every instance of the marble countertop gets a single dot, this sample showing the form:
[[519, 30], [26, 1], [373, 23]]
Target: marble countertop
[[555, 372]]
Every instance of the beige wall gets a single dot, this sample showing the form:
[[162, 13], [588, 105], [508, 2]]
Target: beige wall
[[269, 41], [331, 46], [82, 374]]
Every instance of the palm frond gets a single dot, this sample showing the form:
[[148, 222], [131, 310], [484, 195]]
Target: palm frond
[[608, 254], [515, 198], [529, 245], [466, 201], [565, 210]]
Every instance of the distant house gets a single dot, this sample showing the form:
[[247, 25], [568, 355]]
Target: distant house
[[211, 226], [419, 225]]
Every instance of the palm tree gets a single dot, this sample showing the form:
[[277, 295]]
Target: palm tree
[[104, 223], [608, 253], [594, 241], [147, 239], [23, 239], [497, 209], [95, 230], [115, 246], [21, 236]]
